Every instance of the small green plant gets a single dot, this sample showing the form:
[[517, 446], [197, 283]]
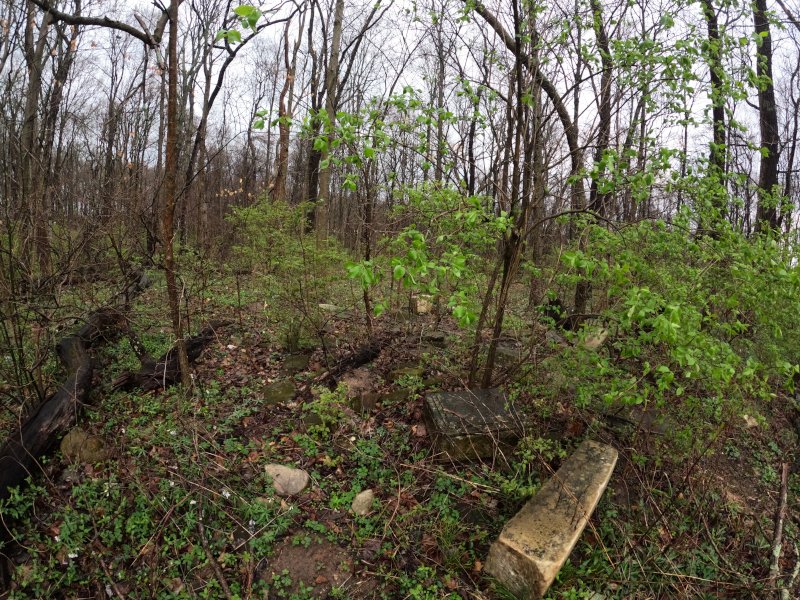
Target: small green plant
[[326, 410]]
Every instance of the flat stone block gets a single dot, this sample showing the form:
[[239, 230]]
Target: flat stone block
[[470, 424], [536, 542]]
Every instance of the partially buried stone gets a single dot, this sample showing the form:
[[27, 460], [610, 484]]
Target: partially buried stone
[[470, 424], [287, 481], [294, 363], [279, 392], [79, 446], [365, 402], [362, 503]]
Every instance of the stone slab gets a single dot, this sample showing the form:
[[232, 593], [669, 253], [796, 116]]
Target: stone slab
[[536, 542], [470, 424]]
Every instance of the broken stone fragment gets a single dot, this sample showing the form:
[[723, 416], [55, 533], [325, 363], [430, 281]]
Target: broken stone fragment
[[362, 503], [536, 542], [287, 481], [79, 446], [422, 304], [595, 338]]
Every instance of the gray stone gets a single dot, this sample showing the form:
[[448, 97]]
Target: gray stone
[[365, 402], [470, 424], [287, 481], [312, 419], [294, 363], [437, 339], [79, 446], [508, 354], [536, 542], [362, 503], [279, 392], [594, 338]]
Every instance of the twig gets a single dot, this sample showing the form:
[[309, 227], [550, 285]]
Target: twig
[[214, 564], [787, 589], [111, 581], [780, 517]]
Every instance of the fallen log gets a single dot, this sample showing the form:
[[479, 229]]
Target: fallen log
[[158, 374], [19, 456], [361, 356]]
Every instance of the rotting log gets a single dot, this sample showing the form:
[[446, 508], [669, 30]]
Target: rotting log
[[363, 355], [38, 433], [158, 374]]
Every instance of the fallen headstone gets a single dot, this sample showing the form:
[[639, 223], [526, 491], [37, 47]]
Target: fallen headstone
[[536, 542], [470, 424]]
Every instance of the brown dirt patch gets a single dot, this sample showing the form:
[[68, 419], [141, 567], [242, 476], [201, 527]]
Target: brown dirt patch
[[318, 567]]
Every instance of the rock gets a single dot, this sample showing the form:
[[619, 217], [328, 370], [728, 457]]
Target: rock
[[470, 424], [365, 403], [508, 354], [407, 371], [750, 422], [536, 542], [279, 392], [422, 304], [437, 339], [294, 363], [362, 503], [394, 397], [79, 446], [330, 308], [555, 339], [595, 338], [312, 419], [287, 481]]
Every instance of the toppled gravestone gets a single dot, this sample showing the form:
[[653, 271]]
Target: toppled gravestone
[[536, 542], [470, 424]]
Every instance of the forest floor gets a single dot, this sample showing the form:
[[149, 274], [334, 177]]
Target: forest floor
[[181, 507]]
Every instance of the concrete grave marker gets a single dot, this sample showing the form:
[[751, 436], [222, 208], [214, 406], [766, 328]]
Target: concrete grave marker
[[536, 542], [470, 424]]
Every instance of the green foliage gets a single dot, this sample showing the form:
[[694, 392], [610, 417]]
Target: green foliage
[[294, 273], [697, 323], [444, 252]]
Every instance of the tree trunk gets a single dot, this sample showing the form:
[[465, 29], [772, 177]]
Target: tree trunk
[[768, 194], [170, 192]]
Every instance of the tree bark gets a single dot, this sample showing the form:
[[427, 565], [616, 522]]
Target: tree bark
[[170, 193], [767, 218]]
